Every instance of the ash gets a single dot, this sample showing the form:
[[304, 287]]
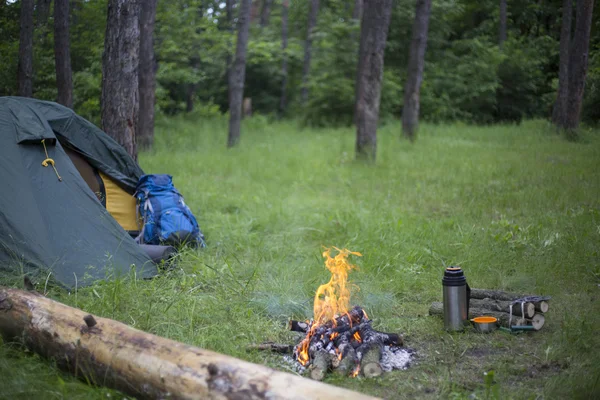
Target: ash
[[395, 358], [294, 365]]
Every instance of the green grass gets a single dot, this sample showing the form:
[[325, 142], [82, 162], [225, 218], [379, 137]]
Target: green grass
[[517, 207]]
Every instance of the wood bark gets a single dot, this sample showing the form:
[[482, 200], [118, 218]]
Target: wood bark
[[373, 36], [560, 106], [312, 22], [437, 309], [502, 24], [537, 321], [542, 306], [237, 74], [107, 352], [578, 64], [504, 306], [25, 67], [320, 364], [357, 10], [62, 53], [265, 12], [284, 59], [370, 362], [416, 63], [119, 102], [146, 79]]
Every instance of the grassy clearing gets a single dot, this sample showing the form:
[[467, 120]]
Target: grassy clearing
[[517, 207]]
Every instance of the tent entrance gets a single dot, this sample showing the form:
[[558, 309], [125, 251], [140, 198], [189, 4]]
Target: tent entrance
[[120, 204]]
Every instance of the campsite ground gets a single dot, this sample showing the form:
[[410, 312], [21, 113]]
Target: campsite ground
[[517, 207]]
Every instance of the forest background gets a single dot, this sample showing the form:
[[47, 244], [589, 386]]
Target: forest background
[[469, 75]]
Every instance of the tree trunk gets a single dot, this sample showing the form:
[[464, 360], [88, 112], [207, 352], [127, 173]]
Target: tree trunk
[[146, 80], [119, 101], [254, 10], [265, 12], [502, 27], [284, 59], [62, 53], [237, 74], [416, 62], [578, 63], [357, 13], [25, 69], [560, 106], [358, 10], [312, 21], [42, 8], [373, 36], [106, 352]]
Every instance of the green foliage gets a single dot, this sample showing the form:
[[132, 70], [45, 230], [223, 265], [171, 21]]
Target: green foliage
[[466, 76], [463, 86]]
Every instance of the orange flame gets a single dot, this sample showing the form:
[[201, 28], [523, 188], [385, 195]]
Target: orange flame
[[356, 371], [333, 298], [357, 337]]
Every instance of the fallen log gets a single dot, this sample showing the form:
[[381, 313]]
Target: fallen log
[[504, 306], [495, 295], [110, 353], [437, 309]]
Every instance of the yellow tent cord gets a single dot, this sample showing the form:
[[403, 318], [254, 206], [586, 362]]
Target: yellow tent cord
[[50, 161]]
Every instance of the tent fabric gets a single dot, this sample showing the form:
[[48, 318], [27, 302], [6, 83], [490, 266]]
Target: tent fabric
[[76, 133], [59, 226]]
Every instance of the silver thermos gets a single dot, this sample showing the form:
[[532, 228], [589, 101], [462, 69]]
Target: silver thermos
[[456, 299]]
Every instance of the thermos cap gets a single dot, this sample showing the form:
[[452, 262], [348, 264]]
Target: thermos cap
[[454, 276]]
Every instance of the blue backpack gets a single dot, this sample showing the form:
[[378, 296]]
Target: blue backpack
[[166, 218]]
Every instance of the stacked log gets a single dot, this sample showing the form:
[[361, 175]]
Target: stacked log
[[527, 310], [347, 345]]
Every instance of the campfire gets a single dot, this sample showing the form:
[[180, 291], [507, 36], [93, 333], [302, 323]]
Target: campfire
[[341, 338]]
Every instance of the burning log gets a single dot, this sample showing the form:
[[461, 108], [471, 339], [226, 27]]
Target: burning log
[[107, 352], [504, 306], [348, 359], [340, 337]]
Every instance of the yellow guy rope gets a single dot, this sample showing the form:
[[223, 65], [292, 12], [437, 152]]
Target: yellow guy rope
[[50, 161]]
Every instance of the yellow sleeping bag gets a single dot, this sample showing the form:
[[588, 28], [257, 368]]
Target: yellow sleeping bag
[[120, 204]]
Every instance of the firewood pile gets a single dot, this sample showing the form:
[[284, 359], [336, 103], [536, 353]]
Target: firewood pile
[[340, 338], [348, 345], [511, 309]]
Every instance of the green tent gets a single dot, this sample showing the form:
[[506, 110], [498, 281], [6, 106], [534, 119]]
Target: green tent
[[50, 219]]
